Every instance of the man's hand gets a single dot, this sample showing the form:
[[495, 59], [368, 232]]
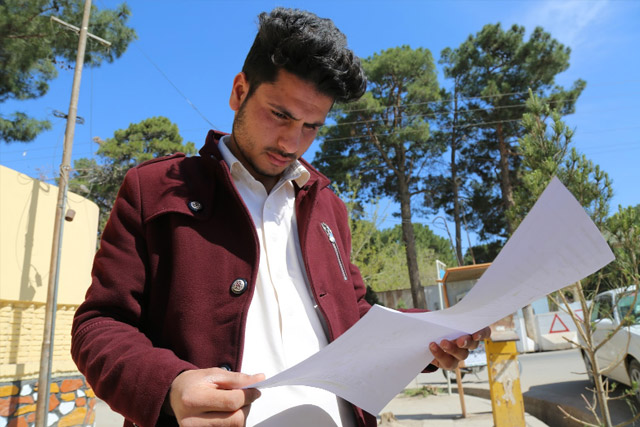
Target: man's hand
[[212, 397], [448, 354]]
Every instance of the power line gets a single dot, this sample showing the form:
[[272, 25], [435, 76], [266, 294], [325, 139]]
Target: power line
[[477, 124], [500, 95], [625, 146], [169, 80], [581, 113], [619, 147], [468, 125], [435, 114], [175, 87]]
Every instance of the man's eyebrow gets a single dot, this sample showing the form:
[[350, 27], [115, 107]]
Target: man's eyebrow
[[284, 111]]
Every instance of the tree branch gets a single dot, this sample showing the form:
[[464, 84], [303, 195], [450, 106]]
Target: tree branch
[[26, 36], [578, 420], [383, 153]]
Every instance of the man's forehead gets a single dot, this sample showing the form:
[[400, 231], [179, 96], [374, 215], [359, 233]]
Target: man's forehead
[[294, 95]]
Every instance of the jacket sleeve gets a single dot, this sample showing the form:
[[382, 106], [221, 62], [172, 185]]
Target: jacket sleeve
[[119, 361]]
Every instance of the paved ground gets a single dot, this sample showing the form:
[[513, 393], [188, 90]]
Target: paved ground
[[439, 410], [105, 417], [548, 379], [444, 410]]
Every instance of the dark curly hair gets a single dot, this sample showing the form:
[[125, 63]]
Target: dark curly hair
[[307, 46]]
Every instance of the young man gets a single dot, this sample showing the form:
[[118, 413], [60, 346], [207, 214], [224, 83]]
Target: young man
[[235, 262]]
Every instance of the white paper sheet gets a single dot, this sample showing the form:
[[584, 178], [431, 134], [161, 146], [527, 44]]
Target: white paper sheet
[[556, 245]]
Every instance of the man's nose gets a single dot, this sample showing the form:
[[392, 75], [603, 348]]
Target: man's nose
[[289, 138]]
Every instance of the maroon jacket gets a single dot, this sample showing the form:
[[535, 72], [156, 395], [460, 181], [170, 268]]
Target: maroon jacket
[[161, 299]]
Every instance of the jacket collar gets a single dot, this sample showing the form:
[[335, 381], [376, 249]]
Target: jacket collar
[[210, 148]]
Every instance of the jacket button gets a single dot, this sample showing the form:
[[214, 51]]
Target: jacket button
[[195, 206], [239, 286], [225, 367]]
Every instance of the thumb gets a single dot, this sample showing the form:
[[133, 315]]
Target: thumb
[[236, 380]]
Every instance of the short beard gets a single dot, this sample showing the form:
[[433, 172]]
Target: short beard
[[239, 121]]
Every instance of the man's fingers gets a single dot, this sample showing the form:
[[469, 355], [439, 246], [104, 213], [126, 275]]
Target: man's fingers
[[482, 334], [454, 350], [448, 354], [442, 359], [205, 399], [230, 419], [234, 380], [466, 341], [227, 393], [229, 400], [472, 341], [201, 391]]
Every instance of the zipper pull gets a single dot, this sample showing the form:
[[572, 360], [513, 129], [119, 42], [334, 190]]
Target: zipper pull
[[329, 233]]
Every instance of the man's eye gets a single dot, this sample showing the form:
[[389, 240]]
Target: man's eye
[[279, 115]]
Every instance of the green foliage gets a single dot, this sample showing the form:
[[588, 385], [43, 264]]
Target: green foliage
[[623, 233], [494, 69], [394, 273], [424, 391], [383, 139], [19, 127], [380, 254], [448, 187], [383, 262], [100, 181], [484, 252], [545, 151], [31, 46]]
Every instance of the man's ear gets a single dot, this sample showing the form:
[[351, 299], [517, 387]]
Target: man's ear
[[239, 91]]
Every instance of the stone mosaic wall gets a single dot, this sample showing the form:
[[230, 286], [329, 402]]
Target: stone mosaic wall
[[71, 403]]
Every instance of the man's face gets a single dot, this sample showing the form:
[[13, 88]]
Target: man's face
[[276, 124]]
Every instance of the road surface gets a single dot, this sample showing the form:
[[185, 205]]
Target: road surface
[[556, 376]]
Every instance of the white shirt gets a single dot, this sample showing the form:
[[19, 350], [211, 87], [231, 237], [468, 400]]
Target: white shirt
[[283, 324]]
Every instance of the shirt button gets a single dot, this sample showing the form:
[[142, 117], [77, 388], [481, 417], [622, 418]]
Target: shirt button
[[239, 286], [195, 206]]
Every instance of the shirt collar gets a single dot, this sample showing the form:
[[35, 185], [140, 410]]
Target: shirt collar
[[294, 172]]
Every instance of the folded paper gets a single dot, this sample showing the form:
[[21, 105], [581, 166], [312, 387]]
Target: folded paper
[[556, 245]]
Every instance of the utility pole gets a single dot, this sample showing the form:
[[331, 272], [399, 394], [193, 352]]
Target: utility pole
[[44, 379]]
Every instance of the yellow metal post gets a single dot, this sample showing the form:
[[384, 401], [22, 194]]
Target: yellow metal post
[[504, 383]]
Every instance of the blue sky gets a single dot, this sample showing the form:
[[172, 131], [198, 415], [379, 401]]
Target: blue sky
[[188, 52]]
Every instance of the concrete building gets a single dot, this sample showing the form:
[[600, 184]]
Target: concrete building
[[27, 212]]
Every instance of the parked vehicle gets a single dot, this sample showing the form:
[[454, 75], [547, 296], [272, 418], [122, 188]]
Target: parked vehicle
[[619, 358]]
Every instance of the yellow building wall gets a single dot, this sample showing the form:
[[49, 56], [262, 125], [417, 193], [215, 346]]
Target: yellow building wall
[[27, 213], [21, 329]]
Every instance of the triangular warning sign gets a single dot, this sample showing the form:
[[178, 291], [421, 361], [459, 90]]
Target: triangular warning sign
[[553, 324]]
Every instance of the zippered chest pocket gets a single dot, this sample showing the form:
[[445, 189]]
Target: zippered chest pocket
[[334, 244]]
